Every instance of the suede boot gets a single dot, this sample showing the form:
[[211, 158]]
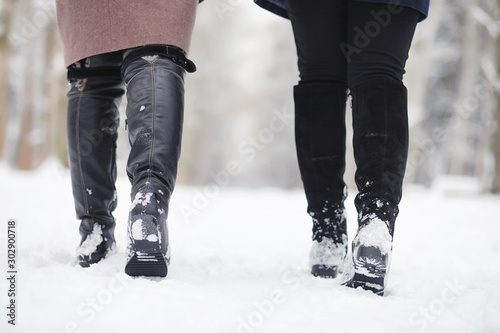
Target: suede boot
[[380, 121], [320, 140]]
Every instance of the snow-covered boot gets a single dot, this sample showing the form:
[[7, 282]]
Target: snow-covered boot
[[93, 118], [371, 253], [329, 248], [154, 116], [380, 122], [97, 241], [320, 136], [148, 249]]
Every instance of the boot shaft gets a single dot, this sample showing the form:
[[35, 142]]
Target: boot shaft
[[320, 142], [380, 123], [92, 123], [155, 110], [155, 95]]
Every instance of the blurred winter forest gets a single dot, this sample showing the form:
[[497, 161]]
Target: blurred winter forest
[[239, 104]]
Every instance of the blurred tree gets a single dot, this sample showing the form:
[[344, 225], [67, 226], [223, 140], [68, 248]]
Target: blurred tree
[[456, 135], [6, 9], [495, 88], [28, 46], [246, 69]]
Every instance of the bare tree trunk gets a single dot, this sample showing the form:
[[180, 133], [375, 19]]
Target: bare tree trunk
[[55, 92], [495, 186], [4, 58], [27, 104], [16, 84], [419, 67], [463, 152], [6, 13], [495, 141]]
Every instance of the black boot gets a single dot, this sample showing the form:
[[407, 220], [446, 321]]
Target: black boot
[[380, 121], [92, 124], [320, 140], [154, 115], [97, 241]]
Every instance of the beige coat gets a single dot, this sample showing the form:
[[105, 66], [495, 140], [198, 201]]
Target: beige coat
[[90, 27]]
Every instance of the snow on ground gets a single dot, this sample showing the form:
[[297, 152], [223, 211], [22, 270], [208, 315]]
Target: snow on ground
[[239, 264]]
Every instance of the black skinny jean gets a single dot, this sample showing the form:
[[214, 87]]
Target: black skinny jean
[[350, 42], [362, 46]]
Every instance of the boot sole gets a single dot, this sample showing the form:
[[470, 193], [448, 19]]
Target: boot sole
[[154, 265], [370, 270], [370, 283], [326, 272], [147, 260]]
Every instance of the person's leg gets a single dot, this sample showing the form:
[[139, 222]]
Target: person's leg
[[379, 38], [155, 109], [93, 119], [319, 26]]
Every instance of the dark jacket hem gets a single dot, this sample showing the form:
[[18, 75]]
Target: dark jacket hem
[[276, 9]]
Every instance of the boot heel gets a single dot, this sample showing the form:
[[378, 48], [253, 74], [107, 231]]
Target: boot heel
[[370, 283], [327, 257], [145, 252], [147, 264], [326, 272], [370, 267]]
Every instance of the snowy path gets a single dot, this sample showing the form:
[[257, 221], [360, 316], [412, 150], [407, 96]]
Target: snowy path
[[240, 265]]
